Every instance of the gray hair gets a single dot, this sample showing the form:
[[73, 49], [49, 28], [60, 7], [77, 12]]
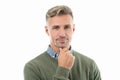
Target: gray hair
[[58, 10]]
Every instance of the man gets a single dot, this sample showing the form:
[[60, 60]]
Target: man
[[60, 62]]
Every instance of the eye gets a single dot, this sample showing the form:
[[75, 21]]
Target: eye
[[67, 26], [55, 27]]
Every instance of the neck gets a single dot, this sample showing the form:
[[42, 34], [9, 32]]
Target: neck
[[56, 49]]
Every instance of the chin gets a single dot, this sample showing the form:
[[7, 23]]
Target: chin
[[62, 46]]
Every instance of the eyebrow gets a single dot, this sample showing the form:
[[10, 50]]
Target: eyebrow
[[55, 26], [67, 25], [58, 25]]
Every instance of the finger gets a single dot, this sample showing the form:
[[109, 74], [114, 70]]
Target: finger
[[70, 60], [61, 51], [68, 52], [65, 49]]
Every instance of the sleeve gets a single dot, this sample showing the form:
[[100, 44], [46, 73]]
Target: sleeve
[[95, 73], [61, 74], [30, 73]]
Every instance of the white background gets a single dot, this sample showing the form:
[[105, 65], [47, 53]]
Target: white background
[[22, 35]]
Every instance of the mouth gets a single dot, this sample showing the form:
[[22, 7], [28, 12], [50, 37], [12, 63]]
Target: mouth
[[62, 40]]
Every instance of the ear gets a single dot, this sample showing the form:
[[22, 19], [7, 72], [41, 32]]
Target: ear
[[73, 27], [46, 30]]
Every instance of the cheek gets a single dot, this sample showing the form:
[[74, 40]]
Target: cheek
[[53, 35], [69, 33]]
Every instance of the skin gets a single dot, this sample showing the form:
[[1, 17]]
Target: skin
[[60, 30]]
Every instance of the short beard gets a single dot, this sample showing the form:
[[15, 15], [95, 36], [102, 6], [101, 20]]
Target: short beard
[[58, 46]]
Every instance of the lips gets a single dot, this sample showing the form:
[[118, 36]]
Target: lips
[[63, 40]]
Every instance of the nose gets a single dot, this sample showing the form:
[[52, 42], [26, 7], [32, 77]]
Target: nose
[[61, 32]]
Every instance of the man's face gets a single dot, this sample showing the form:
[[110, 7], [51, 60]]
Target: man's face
[[60, 30]]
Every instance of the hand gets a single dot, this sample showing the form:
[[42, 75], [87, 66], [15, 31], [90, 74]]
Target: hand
[[65, 59]]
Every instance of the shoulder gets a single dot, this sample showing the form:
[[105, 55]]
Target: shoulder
[[87, 65], [37, 60], [83, 59], [81, 56]]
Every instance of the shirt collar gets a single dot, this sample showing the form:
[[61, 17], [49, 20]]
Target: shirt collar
[[54, 54]]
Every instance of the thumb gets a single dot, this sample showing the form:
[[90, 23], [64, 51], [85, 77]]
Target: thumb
[[60, 50]]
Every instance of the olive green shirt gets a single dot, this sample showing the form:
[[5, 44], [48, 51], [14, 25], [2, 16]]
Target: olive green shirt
[[45, 67]]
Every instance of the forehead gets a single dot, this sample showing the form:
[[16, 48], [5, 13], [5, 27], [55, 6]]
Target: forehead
[[60, 20]]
